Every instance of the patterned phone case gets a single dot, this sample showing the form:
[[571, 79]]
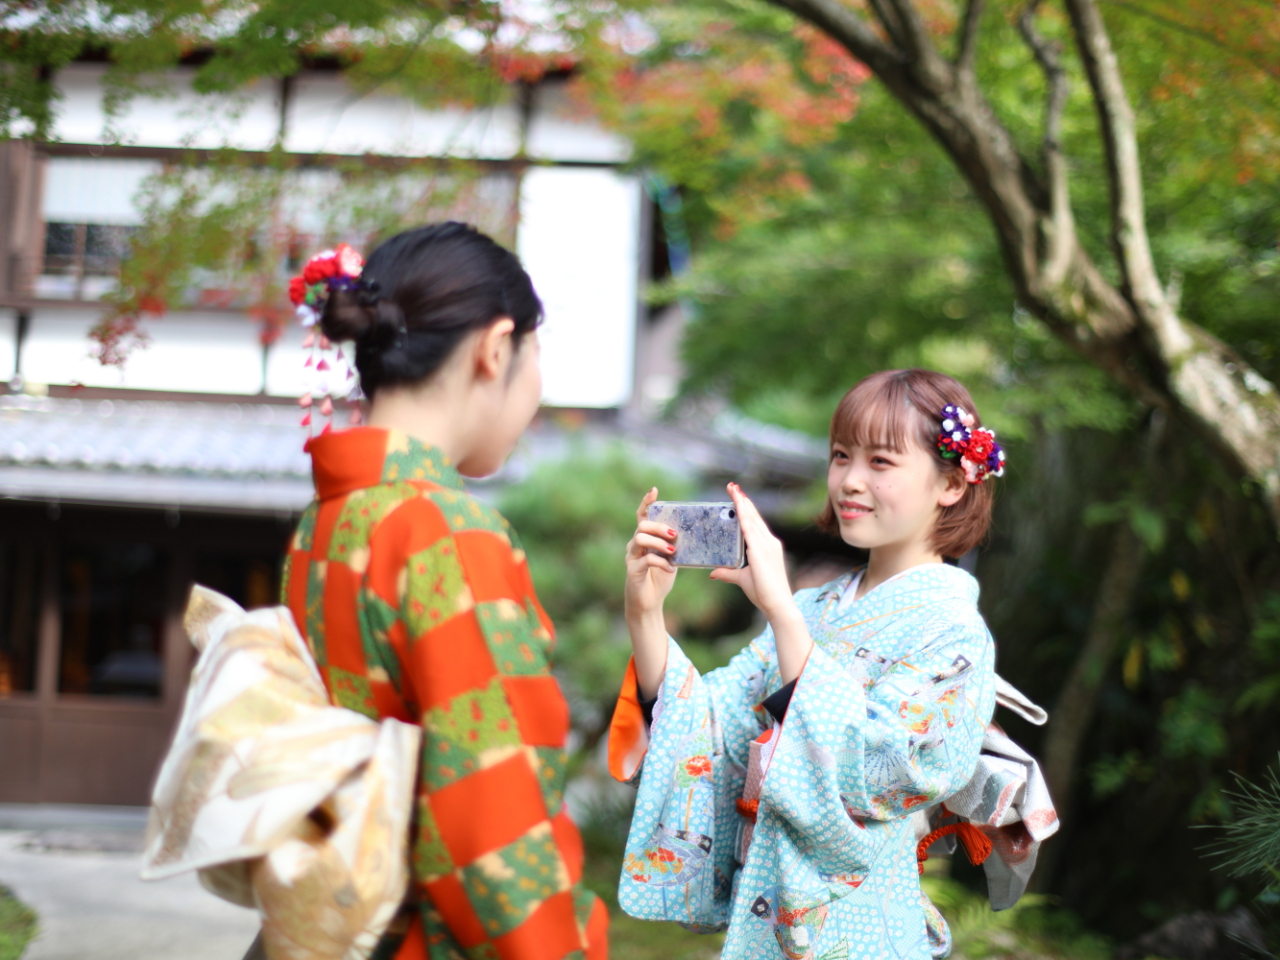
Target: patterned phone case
[[707, 534]]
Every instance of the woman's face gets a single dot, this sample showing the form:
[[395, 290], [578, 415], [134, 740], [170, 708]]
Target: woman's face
[[887, 498], [512, 403]]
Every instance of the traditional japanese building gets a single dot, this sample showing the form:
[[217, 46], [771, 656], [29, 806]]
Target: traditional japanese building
[[120, 486]]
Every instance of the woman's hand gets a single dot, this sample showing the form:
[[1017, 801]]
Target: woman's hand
[[650, 572], [764, 580], [766, 585], [650, 577]]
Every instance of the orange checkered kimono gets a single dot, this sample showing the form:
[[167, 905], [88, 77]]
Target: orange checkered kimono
[[417, 603]]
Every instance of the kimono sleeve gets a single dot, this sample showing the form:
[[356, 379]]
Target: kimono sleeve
[[733, 691], [691, 764], [852, 756], [495, 856]]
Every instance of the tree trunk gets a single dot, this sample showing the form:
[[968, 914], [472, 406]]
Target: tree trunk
[[1077, 704], [1131, 331]]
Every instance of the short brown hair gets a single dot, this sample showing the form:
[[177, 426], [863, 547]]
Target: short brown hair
[[890, 408]]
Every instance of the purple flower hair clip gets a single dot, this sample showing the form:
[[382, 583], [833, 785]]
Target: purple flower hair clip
[[979, 454]]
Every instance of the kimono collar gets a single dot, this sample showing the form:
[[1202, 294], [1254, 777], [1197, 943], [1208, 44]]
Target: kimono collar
[[362, 457], [939, 581]]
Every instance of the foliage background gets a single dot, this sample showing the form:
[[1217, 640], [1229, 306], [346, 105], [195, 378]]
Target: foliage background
[[831, 238], [826, 249]]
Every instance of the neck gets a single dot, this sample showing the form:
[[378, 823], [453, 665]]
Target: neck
[[427, 413], [892, 559]]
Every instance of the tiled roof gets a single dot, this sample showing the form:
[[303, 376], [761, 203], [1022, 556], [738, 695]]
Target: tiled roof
[[248, 457], [240, 456]]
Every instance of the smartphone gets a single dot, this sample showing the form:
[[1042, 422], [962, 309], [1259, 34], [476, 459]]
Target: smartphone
[[707, 534]]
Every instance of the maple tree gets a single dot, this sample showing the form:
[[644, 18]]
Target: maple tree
[[1104, 299], [438, 52], [222, 226]]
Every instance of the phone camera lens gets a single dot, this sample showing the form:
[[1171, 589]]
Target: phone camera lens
[[732, 514]]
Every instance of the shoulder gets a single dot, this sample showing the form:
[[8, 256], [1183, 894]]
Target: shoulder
[[940, 594], [955, 627], [426, 506], [956, 602], [466, 513], [408, 520]]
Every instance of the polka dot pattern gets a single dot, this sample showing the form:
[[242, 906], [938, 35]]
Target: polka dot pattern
[[886, 719]]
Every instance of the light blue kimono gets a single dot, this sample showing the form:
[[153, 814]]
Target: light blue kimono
[[887, 718]]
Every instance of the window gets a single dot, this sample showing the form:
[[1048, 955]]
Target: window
[[250, 581], [19, 616], [81, 260], [113, 604]]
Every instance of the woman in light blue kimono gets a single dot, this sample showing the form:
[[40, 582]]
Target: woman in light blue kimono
[[778, 795]]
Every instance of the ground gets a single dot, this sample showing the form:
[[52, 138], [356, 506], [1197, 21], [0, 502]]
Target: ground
[[77, 868]]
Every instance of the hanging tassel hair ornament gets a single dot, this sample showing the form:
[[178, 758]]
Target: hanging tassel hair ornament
[[336, 269]]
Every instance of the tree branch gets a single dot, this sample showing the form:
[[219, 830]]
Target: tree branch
[[1077, 705], [1230, 403], [848, 29], [969, 39], [1060, 239], [929, 67], [888, 18], [1124, 171], [1131, 331]]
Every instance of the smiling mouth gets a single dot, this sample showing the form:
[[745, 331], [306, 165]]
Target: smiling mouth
[[852, 511]]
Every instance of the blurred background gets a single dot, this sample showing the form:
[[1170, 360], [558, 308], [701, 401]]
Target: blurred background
[[730, 218]]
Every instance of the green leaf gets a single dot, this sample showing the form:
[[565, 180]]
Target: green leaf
[[1148, 525], [1098, 514]]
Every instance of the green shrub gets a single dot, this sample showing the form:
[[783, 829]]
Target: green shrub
[[17, 925]]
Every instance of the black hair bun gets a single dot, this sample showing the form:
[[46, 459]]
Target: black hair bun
[[421, 293], [345, 317]]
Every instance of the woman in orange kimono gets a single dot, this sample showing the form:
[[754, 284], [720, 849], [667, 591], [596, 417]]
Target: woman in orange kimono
[[416, 600]]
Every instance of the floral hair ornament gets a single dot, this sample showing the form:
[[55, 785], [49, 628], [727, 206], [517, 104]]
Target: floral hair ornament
[[325, 372], [980, 456]]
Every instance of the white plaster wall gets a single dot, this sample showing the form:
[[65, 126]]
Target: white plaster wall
[[94, 189], [326, 116], [579, 239], [287, 375], [173, 115], [8, 340], [560, 129], [188, 352]]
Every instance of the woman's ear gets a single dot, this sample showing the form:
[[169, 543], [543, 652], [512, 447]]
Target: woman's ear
[[494, 349], [953, 490]]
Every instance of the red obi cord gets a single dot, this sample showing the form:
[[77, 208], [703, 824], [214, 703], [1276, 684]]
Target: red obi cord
[[748, 808], [977, 845]]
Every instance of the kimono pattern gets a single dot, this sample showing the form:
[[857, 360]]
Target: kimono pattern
[[886, 719], [416, 603]]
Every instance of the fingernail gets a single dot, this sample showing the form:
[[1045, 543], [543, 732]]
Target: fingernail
[[670, 532], [671, 548]]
